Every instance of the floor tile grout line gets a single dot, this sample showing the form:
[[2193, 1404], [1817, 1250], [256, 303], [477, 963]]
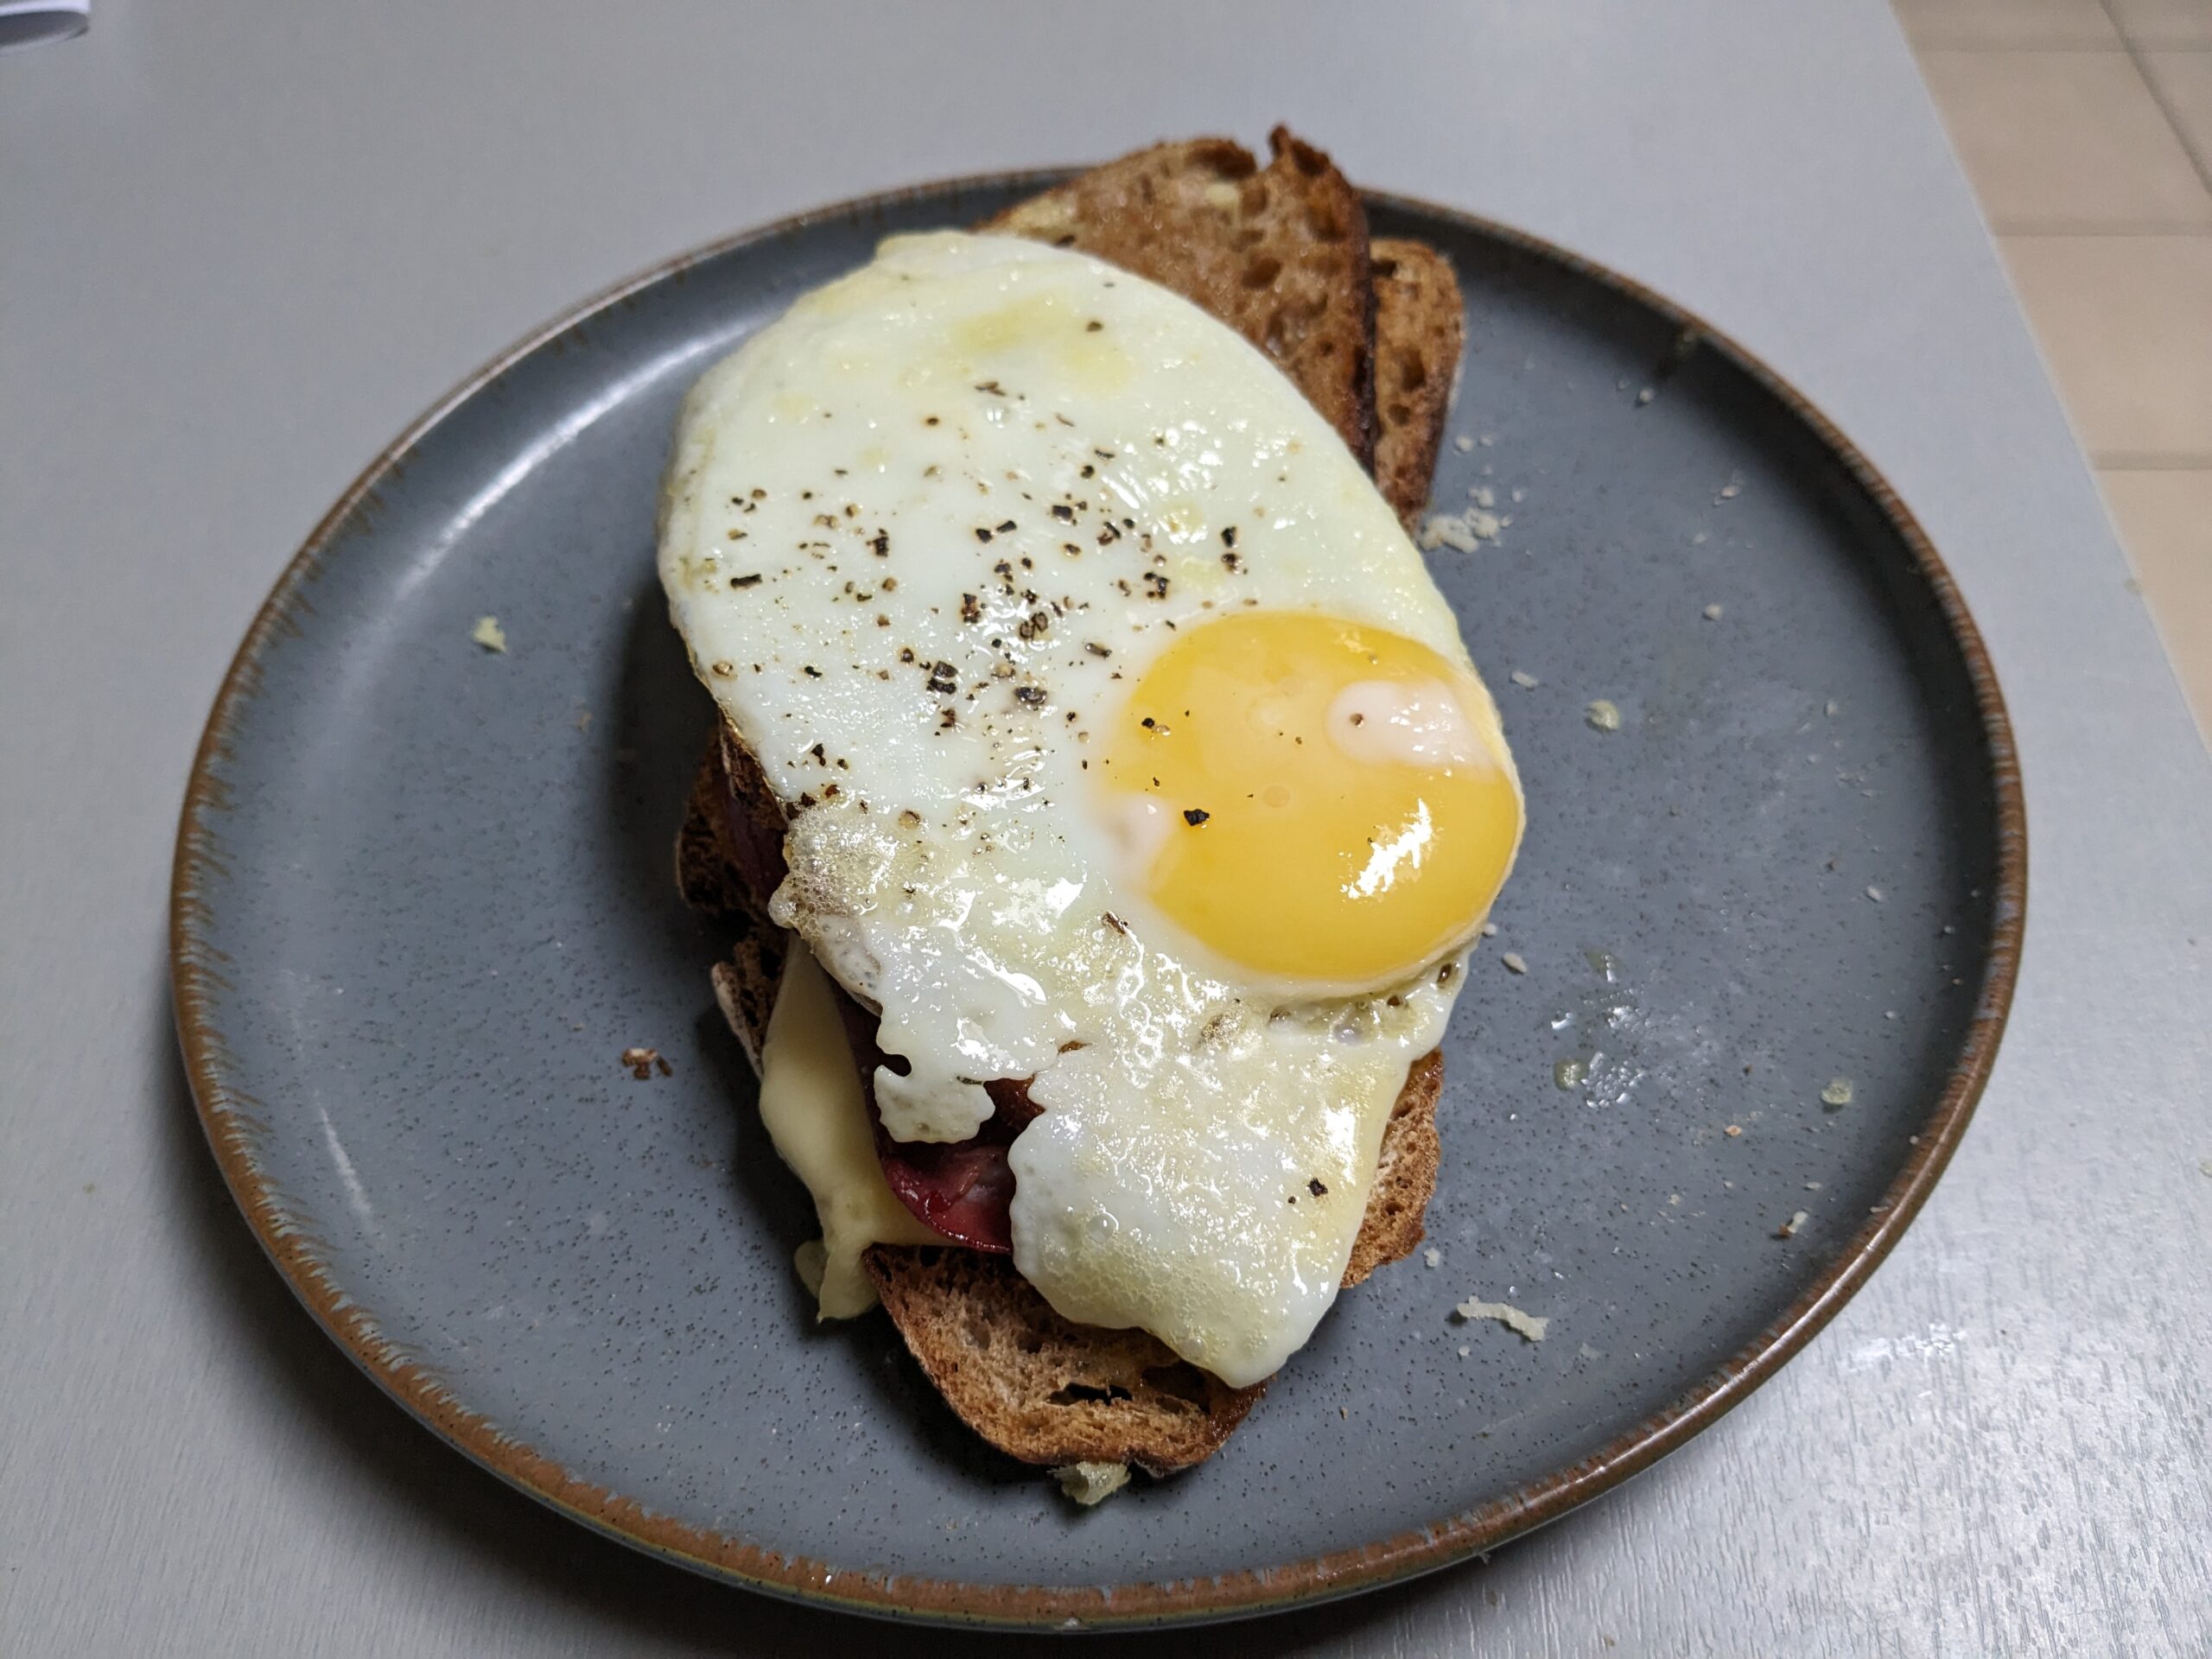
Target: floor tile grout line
[[2021, 233], [2024, 227], [2204, 165], [2074, 49]]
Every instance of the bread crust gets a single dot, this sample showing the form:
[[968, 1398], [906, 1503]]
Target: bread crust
[[1420, 327], [1041, 1388], [1279, 253]]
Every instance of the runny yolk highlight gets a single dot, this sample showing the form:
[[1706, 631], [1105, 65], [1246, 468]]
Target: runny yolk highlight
[[1313, 798]]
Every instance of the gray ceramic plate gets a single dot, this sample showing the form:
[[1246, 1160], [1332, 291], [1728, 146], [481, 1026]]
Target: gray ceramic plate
[[423, 903]]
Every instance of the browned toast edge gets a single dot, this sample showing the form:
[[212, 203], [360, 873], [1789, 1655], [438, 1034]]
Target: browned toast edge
[[1420, 326], [1041, 1388], [1279, 253]]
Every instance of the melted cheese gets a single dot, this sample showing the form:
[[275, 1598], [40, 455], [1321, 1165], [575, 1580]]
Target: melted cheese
[[811, 1101]]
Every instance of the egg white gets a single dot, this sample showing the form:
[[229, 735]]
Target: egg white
[[860, 547]]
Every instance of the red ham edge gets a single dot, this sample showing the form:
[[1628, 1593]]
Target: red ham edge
[[962, 1189]]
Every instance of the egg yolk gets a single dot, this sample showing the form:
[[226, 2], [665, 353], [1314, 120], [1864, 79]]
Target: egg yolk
[[1313, 798]]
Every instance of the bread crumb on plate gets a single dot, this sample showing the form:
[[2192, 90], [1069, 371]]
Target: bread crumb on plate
[[488, 633], [1529, 1326], [1088, 1484], [1463, 532], [643, 1061]]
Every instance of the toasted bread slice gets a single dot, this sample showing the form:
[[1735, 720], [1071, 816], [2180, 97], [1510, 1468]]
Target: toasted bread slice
[[1046, 1390], [1279, 253], [1419, 328], [1033, 1384]]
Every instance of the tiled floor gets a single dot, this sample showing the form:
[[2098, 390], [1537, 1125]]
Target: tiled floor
[[2086, 126]]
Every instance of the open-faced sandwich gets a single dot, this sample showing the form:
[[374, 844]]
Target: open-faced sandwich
[[1104, 798]]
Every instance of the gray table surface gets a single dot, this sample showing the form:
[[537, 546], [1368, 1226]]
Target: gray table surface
[[241, 245]]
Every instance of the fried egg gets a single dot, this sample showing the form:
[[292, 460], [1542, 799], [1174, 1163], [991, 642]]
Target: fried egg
[[1130, 748]]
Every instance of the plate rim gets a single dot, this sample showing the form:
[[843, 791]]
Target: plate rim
[[229, 1115]]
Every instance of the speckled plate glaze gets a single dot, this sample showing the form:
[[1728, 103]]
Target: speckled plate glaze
[[423, 903]]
